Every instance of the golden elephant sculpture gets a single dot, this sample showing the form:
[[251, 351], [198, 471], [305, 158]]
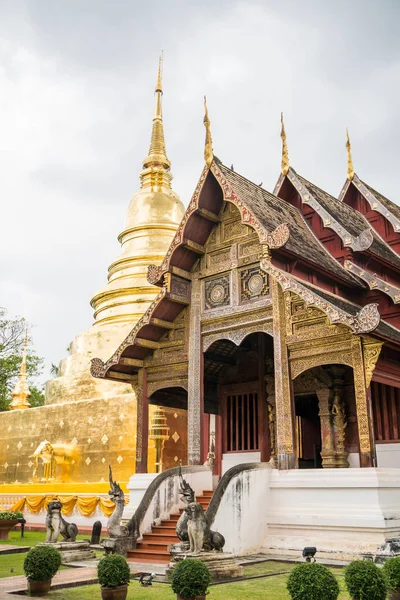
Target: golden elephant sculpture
[[58, 461]]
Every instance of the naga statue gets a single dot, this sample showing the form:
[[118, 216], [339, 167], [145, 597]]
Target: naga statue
[[114, 527], [56, 524], [187, 497]]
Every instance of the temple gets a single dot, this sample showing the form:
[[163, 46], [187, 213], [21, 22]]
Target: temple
[[276, 324]]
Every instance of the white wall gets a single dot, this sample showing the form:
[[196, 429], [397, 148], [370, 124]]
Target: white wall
[[243, 513], [239, 458], [388, 455]]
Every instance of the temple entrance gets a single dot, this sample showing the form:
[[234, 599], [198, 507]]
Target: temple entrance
[[235, 391], [308, 432], [167, 437]]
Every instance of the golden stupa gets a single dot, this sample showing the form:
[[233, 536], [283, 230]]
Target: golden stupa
[[95, 420], [21, 392]]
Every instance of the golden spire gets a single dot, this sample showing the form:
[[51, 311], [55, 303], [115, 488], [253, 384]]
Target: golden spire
[[21, 392], [208, 149], [350, 168], [157, 163], [285, 154]]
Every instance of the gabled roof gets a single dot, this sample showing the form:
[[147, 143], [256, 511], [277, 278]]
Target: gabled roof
[[272, 211], [276, 222], [376, 201], [351, 226]]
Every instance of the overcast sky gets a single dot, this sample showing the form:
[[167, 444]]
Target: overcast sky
[[76, 103]]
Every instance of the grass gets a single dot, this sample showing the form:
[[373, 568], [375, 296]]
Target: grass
[[257, 589], [12, 564], [31, 538]]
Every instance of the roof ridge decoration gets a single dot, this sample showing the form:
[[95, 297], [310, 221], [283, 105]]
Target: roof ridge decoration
[[274, 239], [208, 148], [372, 200], [350, 168], [99, 368], [285, 153], [374, 281], [364, 321], [357, 244]]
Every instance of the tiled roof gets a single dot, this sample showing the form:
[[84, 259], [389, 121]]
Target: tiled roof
[[272, 211]]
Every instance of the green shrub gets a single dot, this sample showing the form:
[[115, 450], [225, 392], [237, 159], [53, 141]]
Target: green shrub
[[10, 515], [113, 571], [365, 581], [311, 581], [42, 563], [391, 571], [190, 578]]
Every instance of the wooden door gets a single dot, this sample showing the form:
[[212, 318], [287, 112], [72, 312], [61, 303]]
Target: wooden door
[[240, 418]]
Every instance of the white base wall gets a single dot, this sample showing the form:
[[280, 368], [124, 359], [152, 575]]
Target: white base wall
[[239, 458], [343, 512], [388, 455]]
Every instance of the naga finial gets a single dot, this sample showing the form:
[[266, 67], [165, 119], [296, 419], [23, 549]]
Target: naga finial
[[208, 149], [350, 167], [285, 153]]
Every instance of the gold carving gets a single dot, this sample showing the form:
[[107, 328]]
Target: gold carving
[[371, 354], [57, 461], [361, 396]]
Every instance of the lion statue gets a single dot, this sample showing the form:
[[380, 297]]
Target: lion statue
[[200, 535], [56, 524]]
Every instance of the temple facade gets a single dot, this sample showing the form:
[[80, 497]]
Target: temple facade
[[276, 325]]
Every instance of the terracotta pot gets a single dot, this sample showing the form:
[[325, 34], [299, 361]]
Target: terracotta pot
[[6, 526], [117, 593], [38, 588], [394, 594]]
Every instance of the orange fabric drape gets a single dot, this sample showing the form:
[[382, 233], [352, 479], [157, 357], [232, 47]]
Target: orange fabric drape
[[86, 505]]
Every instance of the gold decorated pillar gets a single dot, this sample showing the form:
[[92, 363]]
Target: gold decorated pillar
[[195, 379], [142, 425], [283, 383], [362, 405], [328, 452]]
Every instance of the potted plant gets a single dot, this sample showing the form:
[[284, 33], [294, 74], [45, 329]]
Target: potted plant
[[190, 579], [391, 571], [114, 574], [311, 581], [8, 520], [40, 565], [365, 581]]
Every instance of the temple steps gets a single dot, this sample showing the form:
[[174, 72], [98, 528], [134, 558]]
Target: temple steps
[[153, 547]]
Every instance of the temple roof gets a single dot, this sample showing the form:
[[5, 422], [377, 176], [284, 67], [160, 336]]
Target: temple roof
[[350, 225], [272, 211], [376, 201]]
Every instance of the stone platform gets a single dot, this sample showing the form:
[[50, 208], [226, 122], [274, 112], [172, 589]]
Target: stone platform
[[73, 551], [221, 565]]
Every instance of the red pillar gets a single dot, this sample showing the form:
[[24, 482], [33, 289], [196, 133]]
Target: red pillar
[[142, 425]]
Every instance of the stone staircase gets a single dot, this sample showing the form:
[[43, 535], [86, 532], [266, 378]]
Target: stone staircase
[[153, 548]]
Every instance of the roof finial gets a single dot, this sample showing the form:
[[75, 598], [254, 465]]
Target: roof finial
[[21, 392], [159, 77], [285, 154], [208, 149], [157, 160], [350, 168]]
